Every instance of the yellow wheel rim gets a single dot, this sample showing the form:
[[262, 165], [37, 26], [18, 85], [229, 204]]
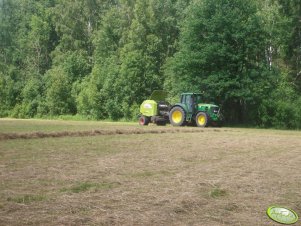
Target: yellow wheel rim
[[201, 120], [176, 116]]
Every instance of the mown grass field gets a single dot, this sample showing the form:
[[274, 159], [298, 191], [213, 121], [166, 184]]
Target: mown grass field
[[122, 174]]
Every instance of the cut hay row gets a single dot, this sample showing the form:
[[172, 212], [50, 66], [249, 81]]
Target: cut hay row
[[34, 135]]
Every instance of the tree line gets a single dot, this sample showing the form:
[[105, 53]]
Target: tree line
[[101, 58]]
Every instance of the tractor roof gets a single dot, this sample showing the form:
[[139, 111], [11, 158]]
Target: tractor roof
[[191, 94]]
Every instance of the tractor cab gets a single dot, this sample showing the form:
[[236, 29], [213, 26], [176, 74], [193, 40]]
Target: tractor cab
[[190, 101], [191, 97]]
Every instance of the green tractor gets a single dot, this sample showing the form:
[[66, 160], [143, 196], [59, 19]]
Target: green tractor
[[190, 110]]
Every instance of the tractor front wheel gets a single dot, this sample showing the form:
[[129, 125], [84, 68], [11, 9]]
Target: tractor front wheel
[[202, 119], [143, 120], [177, 116]]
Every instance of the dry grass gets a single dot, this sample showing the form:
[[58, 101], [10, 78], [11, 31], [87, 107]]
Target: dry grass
[[37, 125], [192, 177]]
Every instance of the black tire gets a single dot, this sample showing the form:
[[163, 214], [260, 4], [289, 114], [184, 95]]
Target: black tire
[[161, 123], [177, 116], [202, 119], [191, 123], [143, 120]]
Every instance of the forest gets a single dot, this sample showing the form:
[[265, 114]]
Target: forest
[[99, 59]]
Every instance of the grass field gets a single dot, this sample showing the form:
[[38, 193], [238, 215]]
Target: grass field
[[96, 173]]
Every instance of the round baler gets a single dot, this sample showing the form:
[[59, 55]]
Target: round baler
[[155, 110]]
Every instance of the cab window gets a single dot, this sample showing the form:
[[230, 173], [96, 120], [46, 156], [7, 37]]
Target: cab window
[[198, 99], [186, 99]]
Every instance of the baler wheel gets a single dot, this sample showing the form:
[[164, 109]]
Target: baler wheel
[[143, 120]]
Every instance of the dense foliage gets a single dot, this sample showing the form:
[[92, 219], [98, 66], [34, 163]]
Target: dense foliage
[[102, 58]]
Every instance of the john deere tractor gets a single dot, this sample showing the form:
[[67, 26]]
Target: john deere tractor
[[190, 110]]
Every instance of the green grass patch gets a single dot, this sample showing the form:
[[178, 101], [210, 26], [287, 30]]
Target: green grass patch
[[26, 199], [88, 186], [217, 192]]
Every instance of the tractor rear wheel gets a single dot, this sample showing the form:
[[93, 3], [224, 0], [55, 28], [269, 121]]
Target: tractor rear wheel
[[202, 119], [143, 120], [177, 116]]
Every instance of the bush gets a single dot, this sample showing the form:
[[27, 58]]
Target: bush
[[280, 114], [58, 92]]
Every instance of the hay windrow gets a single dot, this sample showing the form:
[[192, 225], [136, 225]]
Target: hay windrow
[[36, 135]]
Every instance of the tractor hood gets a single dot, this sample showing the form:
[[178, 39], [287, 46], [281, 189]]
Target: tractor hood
[[158, 95], [205, 107]]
